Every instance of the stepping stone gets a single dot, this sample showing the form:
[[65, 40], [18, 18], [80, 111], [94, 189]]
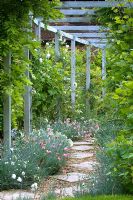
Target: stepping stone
[[82, 148], [85, 165], [91, 141], [82, 143], [13, 195], [72, 177], [81, 155], [69, 191]]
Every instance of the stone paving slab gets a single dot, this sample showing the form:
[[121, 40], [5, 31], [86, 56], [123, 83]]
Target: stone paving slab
[[82, 148], [68, 191], [12, 195], [81, 155], [72, 177], [85, 165], [82, 143]]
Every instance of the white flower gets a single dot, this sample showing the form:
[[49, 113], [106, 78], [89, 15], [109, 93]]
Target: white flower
[[67, 46], [23, 173], [40, 60], [70, 142], [19, 179], [13, 176], [47, 43], [6, 163], [34, 40], [48, 55], [11, 149], [12, 163], [34, 187]]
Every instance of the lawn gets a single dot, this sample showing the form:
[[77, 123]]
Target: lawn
[[102, 198]]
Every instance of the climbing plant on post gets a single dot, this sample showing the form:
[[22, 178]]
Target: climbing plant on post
[[7, 109], [27, 95]]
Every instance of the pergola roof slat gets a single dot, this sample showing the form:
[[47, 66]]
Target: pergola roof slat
[[80, 28], [77, 12], [91, 35], [92, 4], [72, 19]]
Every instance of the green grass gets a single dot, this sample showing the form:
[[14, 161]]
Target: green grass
[[115, 197]]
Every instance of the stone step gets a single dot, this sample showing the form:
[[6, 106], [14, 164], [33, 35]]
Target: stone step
[[82, 148], [72, 177], [14, 194], [83, 143], [81, 155], [85, 165], [68, 191]]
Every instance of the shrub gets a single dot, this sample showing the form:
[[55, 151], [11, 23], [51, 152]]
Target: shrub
[[33, 157], [121, 153]]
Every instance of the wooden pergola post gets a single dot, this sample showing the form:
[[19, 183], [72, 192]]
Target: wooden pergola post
[[27, 101], [103, 69], [57, 56], [27, 95], [88, 59], [73, 72], [7, 110], [57, 46]]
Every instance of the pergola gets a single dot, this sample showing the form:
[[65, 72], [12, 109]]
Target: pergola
[[76, 12]]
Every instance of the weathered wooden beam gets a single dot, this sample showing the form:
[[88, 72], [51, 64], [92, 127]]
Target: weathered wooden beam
[[73, 72], [38, 31], [77, 12], [7, 110], [93, 4], [27, 95], [79, 28], [57, 46], [90, 35], [72, 19], [96, 40], [88, 58], [27, 101], [103, 69]]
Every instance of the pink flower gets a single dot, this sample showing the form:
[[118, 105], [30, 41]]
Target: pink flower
[[42, 144], [66, 155], [97, 126], [59, 158], [66, 149]]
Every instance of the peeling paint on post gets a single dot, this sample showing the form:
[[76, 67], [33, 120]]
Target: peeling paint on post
[[73, 69], [7, 110], [103, 70]]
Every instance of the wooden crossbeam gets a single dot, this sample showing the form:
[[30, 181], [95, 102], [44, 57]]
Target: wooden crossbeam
[[93, 4], [79, 28], [90, 35], [72, 19], [77, 12]]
